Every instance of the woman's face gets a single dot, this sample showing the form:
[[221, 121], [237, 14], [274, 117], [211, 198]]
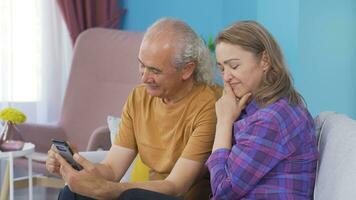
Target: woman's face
[[239, 68]]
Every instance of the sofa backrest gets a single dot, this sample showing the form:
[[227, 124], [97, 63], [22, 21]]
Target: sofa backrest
[[104, 70], [336, 173]]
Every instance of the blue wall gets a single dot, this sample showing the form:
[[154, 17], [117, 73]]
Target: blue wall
[[327, 55], [207, 17], [140, 14], [317, 37]]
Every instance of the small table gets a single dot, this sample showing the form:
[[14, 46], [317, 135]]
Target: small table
[[26, 151]]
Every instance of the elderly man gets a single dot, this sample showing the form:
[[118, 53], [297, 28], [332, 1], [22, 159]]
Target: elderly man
[[169, 121]]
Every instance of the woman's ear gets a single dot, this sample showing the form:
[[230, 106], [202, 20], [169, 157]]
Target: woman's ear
[[188, 70], [265, 61]]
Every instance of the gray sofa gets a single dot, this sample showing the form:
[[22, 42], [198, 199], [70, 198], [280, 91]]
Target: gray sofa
[[336, 174]]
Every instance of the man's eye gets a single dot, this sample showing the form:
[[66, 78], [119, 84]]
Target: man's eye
[[154, 71], [234, 66]]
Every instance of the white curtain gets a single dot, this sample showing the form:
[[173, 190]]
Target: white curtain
[[35, 56]]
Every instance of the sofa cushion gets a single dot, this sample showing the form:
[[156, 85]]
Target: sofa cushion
[[113, 124], [337, 165]]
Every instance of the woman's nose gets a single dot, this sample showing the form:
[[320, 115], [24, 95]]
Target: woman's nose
[[227, 75]]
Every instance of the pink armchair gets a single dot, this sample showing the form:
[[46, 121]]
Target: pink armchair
[[103, 72]]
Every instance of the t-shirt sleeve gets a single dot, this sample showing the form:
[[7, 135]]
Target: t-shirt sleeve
[[126, 135], [201, 140]]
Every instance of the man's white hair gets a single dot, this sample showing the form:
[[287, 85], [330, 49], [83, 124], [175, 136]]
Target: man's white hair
[[189, 47]]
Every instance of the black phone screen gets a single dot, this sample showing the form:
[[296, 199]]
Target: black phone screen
[[66, 152]]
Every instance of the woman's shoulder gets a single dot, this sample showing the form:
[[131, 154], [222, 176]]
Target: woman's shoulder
[[283, 119], [282, 111]]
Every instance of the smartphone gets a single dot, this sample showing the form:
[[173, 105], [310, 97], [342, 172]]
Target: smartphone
[[66, 152]]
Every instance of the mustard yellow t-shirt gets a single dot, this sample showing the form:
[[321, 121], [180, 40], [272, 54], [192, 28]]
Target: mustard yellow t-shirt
[[163, 133]]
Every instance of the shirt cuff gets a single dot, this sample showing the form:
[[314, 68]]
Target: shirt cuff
[[218, 159]]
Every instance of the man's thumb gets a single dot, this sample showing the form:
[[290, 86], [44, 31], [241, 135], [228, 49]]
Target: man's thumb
[[82, 161]]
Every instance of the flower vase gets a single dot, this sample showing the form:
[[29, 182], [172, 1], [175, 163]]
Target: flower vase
[[10, 138]]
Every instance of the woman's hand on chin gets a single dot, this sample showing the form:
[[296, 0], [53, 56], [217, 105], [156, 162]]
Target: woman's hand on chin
[[229, 107]]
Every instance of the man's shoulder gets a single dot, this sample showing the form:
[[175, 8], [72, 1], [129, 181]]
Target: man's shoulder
[[139, 91], [210, 91], [204, 97], [217, 90]]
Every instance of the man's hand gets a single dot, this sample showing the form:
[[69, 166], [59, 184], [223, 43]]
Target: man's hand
[[88, 181], [52, 164]]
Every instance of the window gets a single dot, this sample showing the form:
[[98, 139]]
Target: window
[[20, 50], [35, 56]]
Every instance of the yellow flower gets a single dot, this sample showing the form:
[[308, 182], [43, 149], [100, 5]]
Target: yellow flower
[[13, 115]]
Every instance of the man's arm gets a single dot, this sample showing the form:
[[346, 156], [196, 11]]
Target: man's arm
[[113, 167], [116, 162], [87, 182], [178, 182], [181, 178]]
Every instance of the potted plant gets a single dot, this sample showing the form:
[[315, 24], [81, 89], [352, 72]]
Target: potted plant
[[10, 139]]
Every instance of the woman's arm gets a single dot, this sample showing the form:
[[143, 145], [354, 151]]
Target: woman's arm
[[236, 172], [228, 109]]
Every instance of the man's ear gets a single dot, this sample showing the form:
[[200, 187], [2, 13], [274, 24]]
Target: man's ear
[[265, 61], [188, 70]]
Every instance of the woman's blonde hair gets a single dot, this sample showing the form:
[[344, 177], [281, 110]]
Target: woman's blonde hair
[[277, 81]]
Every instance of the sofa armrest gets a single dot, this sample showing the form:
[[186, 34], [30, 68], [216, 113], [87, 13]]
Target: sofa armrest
[[94, 156], [337, 163], [41, 135], [320, 122], [99, 139]]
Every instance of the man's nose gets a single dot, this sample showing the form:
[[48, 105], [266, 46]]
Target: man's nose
[[145, 75]]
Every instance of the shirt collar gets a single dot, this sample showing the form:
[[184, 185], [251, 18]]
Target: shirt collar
[[252, 107]]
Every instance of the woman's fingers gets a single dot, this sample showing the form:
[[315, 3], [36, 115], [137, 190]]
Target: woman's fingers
[[228, 89], [244, 100]]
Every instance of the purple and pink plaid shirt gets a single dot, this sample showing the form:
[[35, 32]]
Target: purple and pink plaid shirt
[[274, 155]]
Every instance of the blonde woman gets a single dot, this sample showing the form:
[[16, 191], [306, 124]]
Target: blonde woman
[[265, 145]]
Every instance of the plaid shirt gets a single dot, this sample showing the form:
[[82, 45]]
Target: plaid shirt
[[273, 156]]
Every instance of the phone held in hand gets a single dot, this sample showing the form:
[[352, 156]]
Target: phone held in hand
[[66, 152]]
